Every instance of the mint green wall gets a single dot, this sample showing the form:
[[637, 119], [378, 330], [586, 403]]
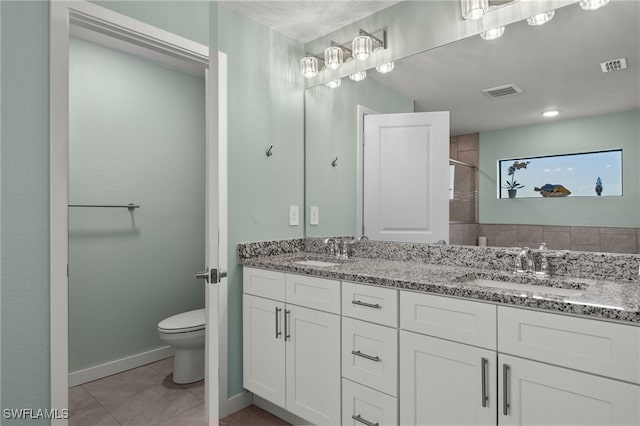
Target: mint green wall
[[620, 130], [330, 132], [25, 188], [136, 134], [25, 201], [265, 107]]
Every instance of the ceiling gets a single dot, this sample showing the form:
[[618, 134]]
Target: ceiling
[[556, 65], [306, 20]]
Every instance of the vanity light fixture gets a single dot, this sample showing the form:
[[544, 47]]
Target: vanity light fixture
[[551, 113], [593, 4], [334, 83], [333, 57], [474, 9], [358, 76], [541, 18], [493, 33], [309, 66]]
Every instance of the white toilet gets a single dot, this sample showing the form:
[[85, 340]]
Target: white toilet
[[185, 333]]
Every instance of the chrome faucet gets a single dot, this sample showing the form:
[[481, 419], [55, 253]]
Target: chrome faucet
[[525, 261], [333, 246]]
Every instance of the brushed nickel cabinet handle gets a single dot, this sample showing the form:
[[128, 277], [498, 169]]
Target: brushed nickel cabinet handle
[[370, 357], [278, 332], [506, 404], [483, 366], [368, 305], [287, 335], [362, 420]]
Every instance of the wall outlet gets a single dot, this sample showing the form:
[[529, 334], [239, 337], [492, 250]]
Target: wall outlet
[[294, 216], [314, 215]]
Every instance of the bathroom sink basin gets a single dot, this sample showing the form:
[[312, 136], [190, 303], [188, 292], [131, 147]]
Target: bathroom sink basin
[[540, 289], [317, 263]]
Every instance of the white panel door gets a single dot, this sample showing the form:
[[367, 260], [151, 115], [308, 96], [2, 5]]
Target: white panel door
[[313, 365], [541, 394], [443, 383], [264, 350], [406, 177]]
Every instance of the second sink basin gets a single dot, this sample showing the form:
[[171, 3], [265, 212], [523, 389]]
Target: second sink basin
[[317, 263], [540, 289]]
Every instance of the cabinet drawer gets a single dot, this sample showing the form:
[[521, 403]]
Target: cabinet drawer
[[370, 355], [462, 321], [261, 282], [369, 303], [367, 405], [599, 347], [314, 293]]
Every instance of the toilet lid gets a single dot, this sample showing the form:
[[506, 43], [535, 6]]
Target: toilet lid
[[184, 322]]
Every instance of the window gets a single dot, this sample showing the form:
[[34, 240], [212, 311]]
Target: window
[[587, 174]]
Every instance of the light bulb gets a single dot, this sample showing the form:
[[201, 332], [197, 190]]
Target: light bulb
[[358, 76], [333, 57], [334, 83], [549, 114], [492, 34], [361, 47], [385, 68], [541, 19], [474, 9], [593, 4], [308, 67]]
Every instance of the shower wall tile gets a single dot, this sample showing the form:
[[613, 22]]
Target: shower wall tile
[[468, 142], [585, 235], [614, 243], [530, 233]]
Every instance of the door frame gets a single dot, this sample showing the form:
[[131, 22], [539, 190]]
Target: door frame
[[362, 111], [91, 18]]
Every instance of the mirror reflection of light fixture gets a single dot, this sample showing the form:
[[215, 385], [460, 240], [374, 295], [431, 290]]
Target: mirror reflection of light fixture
[[541, 18], [308, 67], [593, 4], [474, 9], [493, 33], [386, 67], [334, 83], [358, 76], [550, 113], [362, 46], [333, 57]]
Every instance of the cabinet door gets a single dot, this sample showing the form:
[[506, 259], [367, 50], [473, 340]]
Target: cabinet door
[[313, 365], [446, 383], [541, 394], [264, 351]]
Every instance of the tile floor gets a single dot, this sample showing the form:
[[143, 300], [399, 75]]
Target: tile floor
[[147, 396]]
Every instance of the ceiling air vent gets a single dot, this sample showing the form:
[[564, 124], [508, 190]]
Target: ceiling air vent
[[614, 65], [501, 91]]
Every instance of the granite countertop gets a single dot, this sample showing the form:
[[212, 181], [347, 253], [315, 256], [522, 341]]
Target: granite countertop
[[594, 298]]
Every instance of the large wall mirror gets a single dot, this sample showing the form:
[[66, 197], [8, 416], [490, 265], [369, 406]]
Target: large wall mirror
[[556, 66]]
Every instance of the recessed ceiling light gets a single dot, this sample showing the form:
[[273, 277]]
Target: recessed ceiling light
[[549, 114]]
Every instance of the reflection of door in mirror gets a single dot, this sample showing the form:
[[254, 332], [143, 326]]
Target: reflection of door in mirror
[[405, 175]]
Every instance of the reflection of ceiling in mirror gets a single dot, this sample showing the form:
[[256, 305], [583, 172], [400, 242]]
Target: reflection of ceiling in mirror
[[307, 20], [556, 65]]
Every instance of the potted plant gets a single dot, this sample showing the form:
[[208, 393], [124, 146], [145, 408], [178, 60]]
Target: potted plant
[[511, 185]]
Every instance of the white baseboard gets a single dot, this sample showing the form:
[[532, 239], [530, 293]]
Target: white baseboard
[[279, 411], [235, 403], [119, 365]]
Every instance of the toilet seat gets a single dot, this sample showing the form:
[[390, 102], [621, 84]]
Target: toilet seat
[[183, 323]]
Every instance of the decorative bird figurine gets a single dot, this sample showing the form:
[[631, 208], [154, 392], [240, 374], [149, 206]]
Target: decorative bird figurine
[[599, 186], [549, 190]]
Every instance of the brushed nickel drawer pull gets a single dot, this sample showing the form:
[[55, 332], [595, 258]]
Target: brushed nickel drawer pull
[[359, 418], [506, 404], [368, 305], [287, 334], [372, 358], [278, 332], [483, 367]]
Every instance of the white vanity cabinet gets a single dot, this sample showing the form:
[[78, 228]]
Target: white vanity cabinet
[[443, 381], [369, 355], [291, 353]]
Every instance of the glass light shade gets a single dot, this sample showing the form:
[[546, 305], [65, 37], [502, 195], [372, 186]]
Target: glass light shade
[[541, 19], [385, 68], [492, 34], [593, 4], [334, 83], [551, 113], [358, 76], [361, 47], [474, 9], [308, 67], [333, 57]]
